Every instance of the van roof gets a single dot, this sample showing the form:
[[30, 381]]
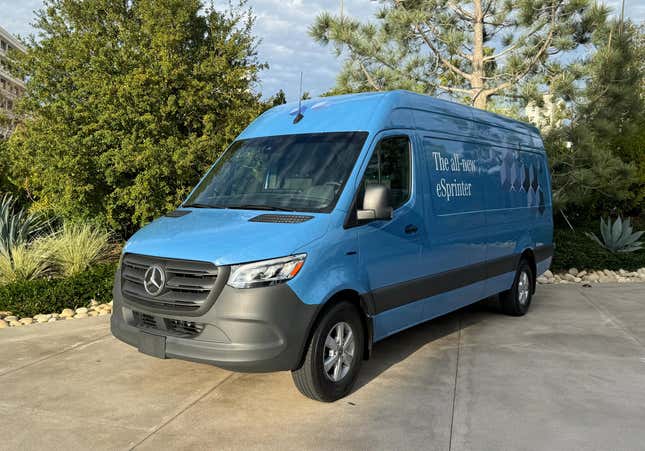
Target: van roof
[[376, 111]]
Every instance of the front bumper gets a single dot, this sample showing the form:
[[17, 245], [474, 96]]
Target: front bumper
[[249, 330]]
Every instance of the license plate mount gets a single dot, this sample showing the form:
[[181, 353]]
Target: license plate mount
[[153, 345]]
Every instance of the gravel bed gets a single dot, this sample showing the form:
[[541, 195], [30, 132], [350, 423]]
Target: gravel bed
[[8, 319], [589, 277]]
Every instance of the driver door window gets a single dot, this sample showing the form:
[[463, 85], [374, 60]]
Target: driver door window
[[390, 166]]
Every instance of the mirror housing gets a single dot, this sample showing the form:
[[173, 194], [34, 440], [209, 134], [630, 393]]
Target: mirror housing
[[376, 204]]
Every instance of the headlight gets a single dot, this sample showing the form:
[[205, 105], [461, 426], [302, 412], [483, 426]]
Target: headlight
[[266, 272]]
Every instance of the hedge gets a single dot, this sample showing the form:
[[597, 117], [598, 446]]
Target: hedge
[[32, 297], [576, 250]]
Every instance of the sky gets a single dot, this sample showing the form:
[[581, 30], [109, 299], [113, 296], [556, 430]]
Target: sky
[[285, 44]]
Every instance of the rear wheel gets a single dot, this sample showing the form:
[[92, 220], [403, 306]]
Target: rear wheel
[[516, 301], [334, 355]]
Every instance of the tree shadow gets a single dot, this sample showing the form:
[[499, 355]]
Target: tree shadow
[[400, 346]]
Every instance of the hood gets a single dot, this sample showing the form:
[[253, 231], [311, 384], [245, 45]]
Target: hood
[[225, 237]]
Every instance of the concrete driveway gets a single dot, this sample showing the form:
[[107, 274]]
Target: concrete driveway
[[570, 375]]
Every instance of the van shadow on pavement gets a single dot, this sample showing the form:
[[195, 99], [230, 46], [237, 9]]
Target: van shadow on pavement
[[400, 346]]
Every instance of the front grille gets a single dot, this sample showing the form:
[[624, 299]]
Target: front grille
[[146, 321], [191, 286], [176, 327], [183, 328]]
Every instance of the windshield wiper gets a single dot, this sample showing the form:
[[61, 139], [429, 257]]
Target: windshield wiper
[[198, 205], [258, 207]]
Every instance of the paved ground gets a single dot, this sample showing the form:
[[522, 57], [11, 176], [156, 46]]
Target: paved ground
[[570, 375]]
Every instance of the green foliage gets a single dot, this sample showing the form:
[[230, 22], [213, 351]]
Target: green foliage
[[76, 247], [605, 163], [471, 50], [575, 249], [280, 98], [617, 237], [29, 298], [25, 262], [129, 103], [17, 225]]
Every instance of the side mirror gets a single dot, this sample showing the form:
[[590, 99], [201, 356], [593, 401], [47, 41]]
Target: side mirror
[[376, 204]]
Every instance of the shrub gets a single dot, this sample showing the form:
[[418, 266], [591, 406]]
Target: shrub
[[25, 262], [29, 298], [17, 225], [575, 249], [76, 247]]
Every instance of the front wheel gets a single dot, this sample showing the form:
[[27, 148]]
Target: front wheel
[[516, 301], [334, 355]]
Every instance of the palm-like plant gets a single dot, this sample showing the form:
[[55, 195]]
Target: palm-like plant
[[18, 226], [618, 237]]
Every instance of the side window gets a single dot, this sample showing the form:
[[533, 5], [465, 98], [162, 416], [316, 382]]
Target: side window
[[390, 166]]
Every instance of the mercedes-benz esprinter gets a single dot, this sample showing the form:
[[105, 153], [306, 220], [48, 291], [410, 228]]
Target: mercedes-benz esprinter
[[325, 228]]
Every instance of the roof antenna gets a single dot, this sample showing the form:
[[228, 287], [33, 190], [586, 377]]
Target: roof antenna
[[299, 116]]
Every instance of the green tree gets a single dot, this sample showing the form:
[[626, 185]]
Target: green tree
[[604, 165], [280, 98], [128, 103], [473, 50]]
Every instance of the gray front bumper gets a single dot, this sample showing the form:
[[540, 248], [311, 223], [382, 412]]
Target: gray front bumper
[[254, 330]]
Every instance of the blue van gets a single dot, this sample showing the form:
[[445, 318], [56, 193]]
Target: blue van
[[328, 227]]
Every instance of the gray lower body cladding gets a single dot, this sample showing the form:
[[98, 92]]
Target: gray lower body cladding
[[250, 330]]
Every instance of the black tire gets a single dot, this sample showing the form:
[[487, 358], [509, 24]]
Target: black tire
[[311, 378], [511, 301]]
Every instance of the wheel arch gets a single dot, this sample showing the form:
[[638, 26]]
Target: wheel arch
[[528, 255], [363, 306]]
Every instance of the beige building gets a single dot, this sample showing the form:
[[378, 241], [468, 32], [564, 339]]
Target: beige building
[[10, 87]]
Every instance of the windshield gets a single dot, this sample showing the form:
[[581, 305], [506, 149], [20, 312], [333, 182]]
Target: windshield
[[293, 172]]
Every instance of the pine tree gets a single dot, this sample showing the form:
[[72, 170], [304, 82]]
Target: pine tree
[[128, 103], [473, 50], [604, 165]]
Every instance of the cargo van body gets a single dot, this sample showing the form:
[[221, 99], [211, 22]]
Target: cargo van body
[[368, 215]]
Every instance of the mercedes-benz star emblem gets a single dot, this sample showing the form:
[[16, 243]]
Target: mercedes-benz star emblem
[[154, 280]]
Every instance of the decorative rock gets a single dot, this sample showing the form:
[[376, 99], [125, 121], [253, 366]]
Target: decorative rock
[[548, 274], [94, 303], [54, 315], [93, 313], [81, 310], [3, 324], [5, 313], [81, 315], [10, 318], [103, 313], [15, 323], [570, 277], [27, 321], [67, 313], [68, 317], [52, 320], [593, 277], [573, 271], [582, 273]]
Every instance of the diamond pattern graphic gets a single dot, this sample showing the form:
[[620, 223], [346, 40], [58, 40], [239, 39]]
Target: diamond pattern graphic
[[516, 174], [523, 177], [526, 178], [534, 179]]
